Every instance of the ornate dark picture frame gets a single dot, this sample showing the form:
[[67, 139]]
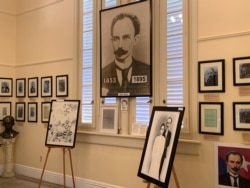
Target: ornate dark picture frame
[[20, 87], [164, 129], [20, 111], [211, 76], [241, 116], [32, 111], [136, 37], [6, 85], [33, 87], [5, 109], [62, 85], [46, 86]]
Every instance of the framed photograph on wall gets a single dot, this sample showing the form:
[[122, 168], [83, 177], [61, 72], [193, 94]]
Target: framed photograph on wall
[[241, 116], [130, 23], [160, 145], [33, 87], [32, 111], [211, 76], [62, 85], [46, 86], [20, 87], [63, 121], [6, 87], [5, 109], [240, 154], [211, 118], [241, 71], [109, 119], [45, 109], [20, 111]]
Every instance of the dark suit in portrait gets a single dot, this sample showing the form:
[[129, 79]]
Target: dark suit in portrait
[[225, 180], [138, 79]]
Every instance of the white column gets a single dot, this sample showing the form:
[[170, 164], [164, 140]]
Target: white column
[[8, 145]]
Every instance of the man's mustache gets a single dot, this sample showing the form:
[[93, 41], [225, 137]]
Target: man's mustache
[[235, 169], [120, 52]]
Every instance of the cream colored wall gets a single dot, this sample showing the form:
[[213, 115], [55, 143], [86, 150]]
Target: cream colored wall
[[40, 41]]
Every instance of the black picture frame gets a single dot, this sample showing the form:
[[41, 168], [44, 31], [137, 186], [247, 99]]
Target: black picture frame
[[63, 121], [164, 129], [5, 109], [6, 85], [241, 116], [45, 111], [139, 74], [33, 87], [20, 87], [211, 76], [241, 71], [62, 85], [20, 111], [32, 112], [211, 118], [46, 86]]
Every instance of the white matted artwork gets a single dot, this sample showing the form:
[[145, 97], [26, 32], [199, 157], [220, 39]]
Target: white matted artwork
[[62, 126], [109, 119]]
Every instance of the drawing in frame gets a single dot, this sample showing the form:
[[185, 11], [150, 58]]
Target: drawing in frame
[[241, 116], [164, 129], [20, 111], [129, 25], [46, 86], [5, 109], [62, 125], [20, 87], [33, 87], [6, 87], [240, 153], [32, 111], [241, 71], [211, 76], [211, 118], [62, 85], [109, 119], [45, 111]]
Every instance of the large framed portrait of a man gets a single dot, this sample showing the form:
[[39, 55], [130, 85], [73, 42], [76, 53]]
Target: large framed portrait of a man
[[125, 54]]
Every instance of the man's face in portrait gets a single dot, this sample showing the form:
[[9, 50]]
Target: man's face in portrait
[[124, 39], [234, 163]]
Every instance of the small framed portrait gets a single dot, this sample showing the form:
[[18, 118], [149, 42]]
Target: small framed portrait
[[20, 111], [232, 158], [63, 121], [211, 76], [33, 87], [45, 109], [126, 70], [6, 87], [62, 85], [20, 87], [241, 116], [241, 71], [211, 118], [5, 109], [46, 86], [109, 119], [160, 144], [32, 111]]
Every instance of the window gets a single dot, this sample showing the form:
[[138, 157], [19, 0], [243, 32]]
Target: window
[[171, 88]]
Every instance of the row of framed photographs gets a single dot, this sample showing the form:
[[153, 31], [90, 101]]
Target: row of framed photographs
[[211, 119], [211, 74], [20, 111], [33, 85]]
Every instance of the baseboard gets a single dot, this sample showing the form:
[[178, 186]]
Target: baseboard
[[57, 178]]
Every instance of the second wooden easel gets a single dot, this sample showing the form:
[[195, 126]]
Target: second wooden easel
[[175, 179], [64, 175]]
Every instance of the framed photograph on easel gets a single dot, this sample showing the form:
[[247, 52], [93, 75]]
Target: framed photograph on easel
[[62, 126], [160, 145]]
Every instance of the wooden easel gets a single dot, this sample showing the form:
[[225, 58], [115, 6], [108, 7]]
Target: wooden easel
[[64, 176], [175, 179]]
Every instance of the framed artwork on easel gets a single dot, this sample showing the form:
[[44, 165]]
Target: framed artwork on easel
[[160, 145], [62, 125]]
